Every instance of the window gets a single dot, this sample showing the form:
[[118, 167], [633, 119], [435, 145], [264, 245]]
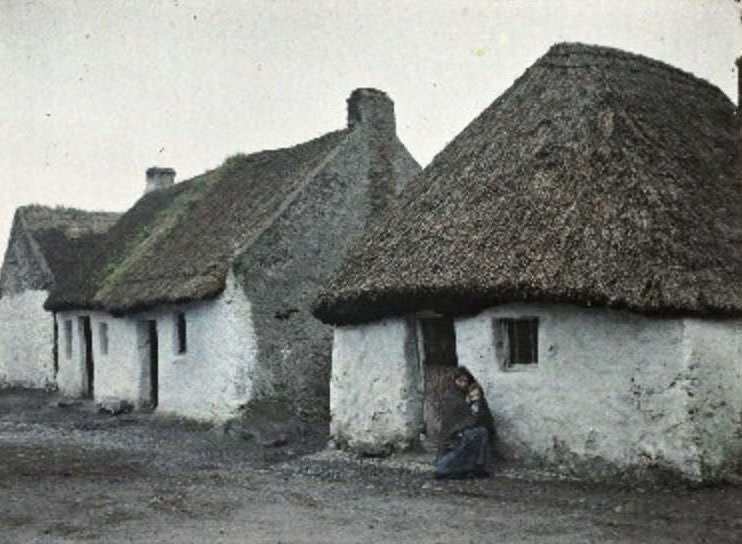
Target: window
[[517, 342], [181, 342], [68, 338], [103, 337]]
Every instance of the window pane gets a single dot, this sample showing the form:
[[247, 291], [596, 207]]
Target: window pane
[[103, 337], [181, 340], [522, 341]]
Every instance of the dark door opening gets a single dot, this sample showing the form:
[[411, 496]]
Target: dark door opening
[[87, 357], [153, 363], [55, 349], [439, 366], [147, 347]]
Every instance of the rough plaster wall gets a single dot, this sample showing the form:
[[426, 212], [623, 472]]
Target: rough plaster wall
[[375, 396], [714, 385], [214, 378], [117, 373], [609, 393], [26, 340], [283, 269], [71, 372], [209, 382]]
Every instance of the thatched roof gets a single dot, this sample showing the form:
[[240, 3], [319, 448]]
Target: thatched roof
[[599, 177], [52, 239], [176, 244]]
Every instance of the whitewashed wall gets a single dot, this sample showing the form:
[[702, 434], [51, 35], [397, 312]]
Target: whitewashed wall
[[375, 398], [215, 376], [613, 392], [26, 340], [208, 382], [714, 354], [71, 376], [612, 389]]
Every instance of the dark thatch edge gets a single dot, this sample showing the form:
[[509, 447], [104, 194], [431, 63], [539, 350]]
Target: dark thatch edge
[[342, 309]]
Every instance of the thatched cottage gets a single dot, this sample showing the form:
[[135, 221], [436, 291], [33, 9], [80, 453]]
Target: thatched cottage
[[43, 242], [579, 248], [197, 299]]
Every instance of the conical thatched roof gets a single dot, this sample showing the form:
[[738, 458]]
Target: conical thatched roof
[[176, 244], [45, 242], [599, 178]]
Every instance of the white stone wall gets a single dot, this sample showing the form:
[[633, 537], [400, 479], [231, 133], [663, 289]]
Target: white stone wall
[[71, 377], [613, 389], [208, 382], [26, 340], [714, 384], [375, 396]]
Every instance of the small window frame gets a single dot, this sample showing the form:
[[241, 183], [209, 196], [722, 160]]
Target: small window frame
[[180, 334], [103, 337], [68, 338], [516, 343]]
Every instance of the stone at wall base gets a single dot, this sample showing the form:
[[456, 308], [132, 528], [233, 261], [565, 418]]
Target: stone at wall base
[[114, 407], [370, 449], [68, 403]]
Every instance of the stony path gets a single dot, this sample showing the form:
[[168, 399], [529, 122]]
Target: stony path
[[70, 475]]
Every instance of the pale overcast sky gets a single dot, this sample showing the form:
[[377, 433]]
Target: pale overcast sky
[[96, 91]]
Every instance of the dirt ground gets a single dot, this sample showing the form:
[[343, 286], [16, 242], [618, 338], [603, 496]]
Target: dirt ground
[[69, 474]]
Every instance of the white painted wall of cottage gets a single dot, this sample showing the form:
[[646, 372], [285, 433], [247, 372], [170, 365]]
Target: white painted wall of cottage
[[374, 392], [26, 340], [609, 387], [209, 382], [715, 368], [611, 390]]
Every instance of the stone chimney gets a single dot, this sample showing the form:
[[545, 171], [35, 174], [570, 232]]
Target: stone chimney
[[373, 109], [371, 114], [159, 178]]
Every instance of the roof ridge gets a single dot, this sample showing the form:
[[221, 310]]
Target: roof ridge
[[35, 247], [573, 49], [291, 197]]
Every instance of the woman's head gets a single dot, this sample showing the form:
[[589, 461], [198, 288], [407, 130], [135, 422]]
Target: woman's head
[[463, 378]]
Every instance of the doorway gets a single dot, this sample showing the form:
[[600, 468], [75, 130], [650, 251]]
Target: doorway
[[439, 365], [86, 354], [147, 347]]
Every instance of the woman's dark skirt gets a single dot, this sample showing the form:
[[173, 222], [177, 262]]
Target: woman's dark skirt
[[471, 457]]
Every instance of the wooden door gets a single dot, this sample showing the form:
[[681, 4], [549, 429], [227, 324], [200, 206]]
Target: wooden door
[[439, 366]]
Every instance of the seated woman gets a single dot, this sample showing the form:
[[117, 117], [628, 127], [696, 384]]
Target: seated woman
[[466, 448]]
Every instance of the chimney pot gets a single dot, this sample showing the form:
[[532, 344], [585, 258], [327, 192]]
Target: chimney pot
[[373, 109], [159, 178]]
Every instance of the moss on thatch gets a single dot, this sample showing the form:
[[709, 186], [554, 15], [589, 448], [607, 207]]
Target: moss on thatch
[[599, 178], [176, 245]]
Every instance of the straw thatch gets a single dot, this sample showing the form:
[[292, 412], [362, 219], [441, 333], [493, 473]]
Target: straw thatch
[[45, 241], [176, 244], [599, 178]]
